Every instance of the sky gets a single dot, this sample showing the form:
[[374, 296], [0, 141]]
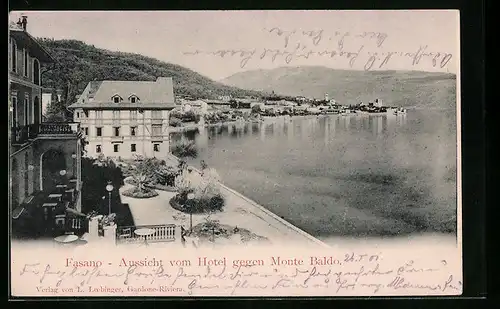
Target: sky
[[218, 44]]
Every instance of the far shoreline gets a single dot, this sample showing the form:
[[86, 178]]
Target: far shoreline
[[192, 126]]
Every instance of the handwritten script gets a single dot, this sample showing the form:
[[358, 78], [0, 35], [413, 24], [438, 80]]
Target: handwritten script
[[363, 49], [347, 277]]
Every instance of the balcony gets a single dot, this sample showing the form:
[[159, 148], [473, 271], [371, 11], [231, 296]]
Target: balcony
[[21, 135], [59, 128]]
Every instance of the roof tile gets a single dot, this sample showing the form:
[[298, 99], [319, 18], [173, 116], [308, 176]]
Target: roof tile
[[160, 91]]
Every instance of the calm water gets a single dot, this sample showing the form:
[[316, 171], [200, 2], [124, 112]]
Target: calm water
[[343, 175]]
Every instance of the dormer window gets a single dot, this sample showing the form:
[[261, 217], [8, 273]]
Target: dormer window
[[133, 98], [116, 98]]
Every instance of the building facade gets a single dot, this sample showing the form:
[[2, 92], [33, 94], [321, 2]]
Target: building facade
[[125, 119], [44, 158]]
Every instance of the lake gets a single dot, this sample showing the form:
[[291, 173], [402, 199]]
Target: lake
[[335, 175]]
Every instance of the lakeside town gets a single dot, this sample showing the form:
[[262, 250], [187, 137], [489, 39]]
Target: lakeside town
[[110, 176], [254, 109], [225, 109]]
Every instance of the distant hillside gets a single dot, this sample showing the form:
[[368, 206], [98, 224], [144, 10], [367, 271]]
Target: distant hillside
[[80, 63], [401, 88]]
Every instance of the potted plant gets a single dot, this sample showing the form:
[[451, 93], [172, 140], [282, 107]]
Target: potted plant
[[106, 222]]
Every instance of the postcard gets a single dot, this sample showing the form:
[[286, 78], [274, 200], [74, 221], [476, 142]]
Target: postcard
[[235, 153]]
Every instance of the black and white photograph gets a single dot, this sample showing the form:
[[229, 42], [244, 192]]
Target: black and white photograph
[[140, 139]]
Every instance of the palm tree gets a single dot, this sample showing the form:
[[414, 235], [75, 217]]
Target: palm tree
[[140, 180]]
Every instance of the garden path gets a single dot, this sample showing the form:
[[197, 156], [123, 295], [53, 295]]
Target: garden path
[[238, 211]]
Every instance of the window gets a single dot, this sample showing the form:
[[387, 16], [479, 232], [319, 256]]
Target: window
[[86, 131], [156, 147], [116, 147], [116, 115], [26, 60], [156, 114], [14, 111], [156, 130], [26, 108], [77, 114], [133, 99], [34, 105], [98, 114], [14, 56], [132, 148], [116, 131], [132, 131], [133, 115], [116, 99], [98, 148], [36, 71], [98, 132]]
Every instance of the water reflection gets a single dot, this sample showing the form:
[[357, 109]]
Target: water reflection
[[303, 128], [386, 174]]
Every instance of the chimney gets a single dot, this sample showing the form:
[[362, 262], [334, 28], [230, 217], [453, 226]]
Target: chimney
[[24, 22]]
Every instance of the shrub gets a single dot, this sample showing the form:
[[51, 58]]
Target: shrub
[[164, 187], [175, 122], [190, 116], [136, 192], [256, 109], [153, 171], [207, 195], [197, 205], [176, 114], [185, 149]]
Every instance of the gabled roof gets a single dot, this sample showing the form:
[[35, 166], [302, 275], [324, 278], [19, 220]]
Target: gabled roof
[[156, 95], [160, 91]]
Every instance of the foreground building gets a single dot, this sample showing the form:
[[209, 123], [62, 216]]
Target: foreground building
[[45, 158], [123, 119]]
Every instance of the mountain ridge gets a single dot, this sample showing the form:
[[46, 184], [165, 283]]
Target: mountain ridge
[[344, 70], [403, 88]]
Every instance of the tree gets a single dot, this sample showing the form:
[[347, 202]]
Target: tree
[[81, 63], [185, 149]]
